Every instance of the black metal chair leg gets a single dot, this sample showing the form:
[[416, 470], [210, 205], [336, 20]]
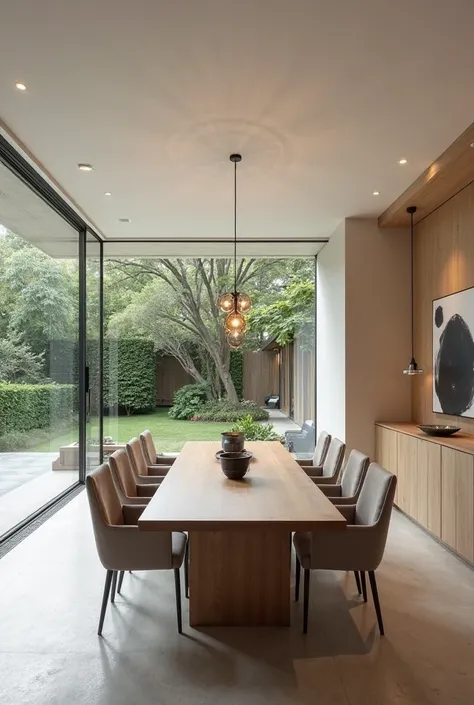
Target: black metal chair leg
[[363, 584], [105, 598], [375, 595], [114, 586], [307, 574], [297, 581], [120, 581], [177, 584], [186, 571], [357, 579]]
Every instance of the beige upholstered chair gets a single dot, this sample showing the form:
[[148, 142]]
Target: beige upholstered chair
[[140, 466], [328, 472], [130, 490], [150, 452], [353, 476], [122, 546], [320, 452], [360, 547]]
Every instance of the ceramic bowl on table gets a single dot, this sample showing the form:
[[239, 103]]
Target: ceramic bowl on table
[[235, 465], [438, 430], [232, 441]]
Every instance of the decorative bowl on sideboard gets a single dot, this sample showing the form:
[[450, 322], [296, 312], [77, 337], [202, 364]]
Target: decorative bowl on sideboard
[[438, 430]]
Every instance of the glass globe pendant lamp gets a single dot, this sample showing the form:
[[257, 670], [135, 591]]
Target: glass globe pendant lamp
[[233, 303]]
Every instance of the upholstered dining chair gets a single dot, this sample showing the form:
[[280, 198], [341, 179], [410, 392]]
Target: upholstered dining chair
[[320, 451], [347, 490], [120, 544], [129, 489], [140, 467], [360, 547], [150, 452], [328, 472]]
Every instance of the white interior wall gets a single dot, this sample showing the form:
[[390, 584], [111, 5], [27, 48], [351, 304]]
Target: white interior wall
[[331, 345], [363, 331]]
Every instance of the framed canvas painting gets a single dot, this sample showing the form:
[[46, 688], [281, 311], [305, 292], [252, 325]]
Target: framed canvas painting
[[453, 354]]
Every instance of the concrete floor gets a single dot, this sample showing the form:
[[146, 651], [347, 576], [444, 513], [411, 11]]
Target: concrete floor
[[51, 587]]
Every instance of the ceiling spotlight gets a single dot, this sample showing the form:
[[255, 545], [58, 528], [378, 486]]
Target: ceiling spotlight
[[124, 220], [20, 86], [376, 193], [85, 167], [402, 161], [107, 193], [472, 144]]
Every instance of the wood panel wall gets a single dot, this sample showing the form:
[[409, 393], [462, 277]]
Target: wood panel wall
[[261, 375], [444, 264], [170, 376]]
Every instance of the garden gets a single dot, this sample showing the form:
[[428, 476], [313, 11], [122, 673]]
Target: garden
[[153, 307]]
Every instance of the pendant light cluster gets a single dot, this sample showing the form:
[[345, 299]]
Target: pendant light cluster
[[233, 303], [412, 368]]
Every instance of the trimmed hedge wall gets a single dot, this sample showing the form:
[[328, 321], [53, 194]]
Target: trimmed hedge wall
[[24, 407], [236, 369], [130, 375]]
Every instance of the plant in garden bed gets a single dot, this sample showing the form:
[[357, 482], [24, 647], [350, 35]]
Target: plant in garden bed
[[256, 431], [224, 410], [188, 400]]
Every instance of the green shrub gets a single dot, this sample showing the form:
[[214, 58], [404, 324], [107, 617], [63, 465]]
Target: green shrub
[[223, 410], [236, 369], [187, 400], [129, 375], [255, 431], [24, 407]]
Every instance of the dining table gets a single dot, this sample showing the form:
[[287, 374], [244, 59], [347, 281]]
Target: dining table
[[239, 530]]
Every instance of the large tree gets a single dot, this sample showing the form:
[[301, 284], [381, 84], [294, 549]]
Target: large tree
[[178, 308]]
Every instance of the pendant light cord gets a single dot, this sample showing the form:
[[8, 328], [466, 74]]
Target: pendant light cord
[[235, 227], [412, 289]]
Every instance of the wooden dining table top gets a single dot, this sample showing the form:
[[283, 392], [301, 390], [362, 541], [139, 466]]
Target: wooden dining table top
[[275, 494]]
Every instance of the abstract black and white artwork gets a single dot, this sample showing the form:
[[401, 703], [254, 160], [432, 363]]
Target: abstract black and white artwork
[[453, 354]]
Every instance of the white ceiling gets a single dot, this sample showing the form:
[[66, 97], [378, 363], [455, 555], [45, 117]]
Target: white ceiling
[[322, 99]]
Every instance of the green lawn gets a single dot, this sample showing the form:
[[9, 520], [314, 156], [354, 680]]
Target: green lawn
[[170, 435]]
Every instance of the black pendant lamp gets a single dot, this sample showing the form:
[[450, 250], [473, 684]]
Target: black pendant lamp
[[412, 368]]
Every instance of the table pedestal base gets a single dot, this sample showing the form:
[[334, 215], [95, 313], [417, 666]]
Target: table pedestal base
[[239, 578]]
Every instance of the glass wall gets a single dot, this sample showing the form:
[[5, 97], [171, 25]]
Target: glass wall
[[39, 330], [167, 364]]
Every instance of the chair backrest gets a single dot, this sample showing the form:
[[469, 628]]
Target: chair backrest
[[104, 501], [321, 450], [354, 474], [137, 458], [375, 501], [122, 473], [334, 458], [148, 447]]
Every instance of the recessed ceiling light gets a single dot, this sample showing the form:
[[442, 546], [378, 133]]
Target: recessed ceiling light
[[376, 193], [402, 161], [20, 86], [107, 193], [124, 220], [85, 167]]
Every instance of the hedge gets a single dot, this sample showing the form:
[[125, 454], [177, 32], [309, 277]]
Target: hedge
[[130, 375], [24, 407], [236, 369]]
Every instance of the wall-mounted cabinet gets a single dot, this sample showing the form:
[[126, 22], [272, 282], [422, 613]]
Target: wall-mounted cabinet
[[435, 481]]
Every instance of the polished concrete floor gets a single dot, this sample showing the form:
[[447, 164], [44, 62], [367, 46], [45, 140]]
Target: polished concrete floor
[[50, 591]]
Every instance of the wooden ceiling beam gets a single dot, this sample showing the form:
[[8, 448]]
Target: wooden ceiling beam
[[448, 175]]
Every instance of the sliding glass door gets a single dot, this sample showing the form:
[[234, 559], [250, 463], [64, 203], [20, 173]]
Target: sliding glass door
[[93, 353]]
